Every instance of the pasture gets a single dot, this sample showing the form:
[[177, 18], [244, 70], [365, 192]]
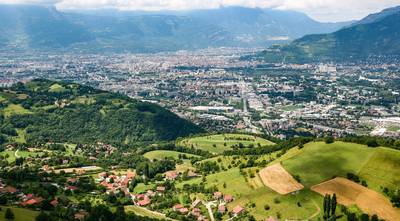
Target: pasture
[[349, 193], [219, 143], [162, 154]]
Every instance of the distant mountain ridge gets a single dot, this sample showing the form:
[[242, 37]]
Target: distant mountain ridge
[[29, 27], [376, 35]]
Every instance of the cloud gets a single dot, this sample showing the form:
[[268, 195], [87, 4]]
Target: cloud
[[324, 10]]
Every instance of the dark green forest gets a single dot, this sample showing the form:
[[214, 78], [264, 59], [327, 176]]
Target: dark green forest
[[46, 111]]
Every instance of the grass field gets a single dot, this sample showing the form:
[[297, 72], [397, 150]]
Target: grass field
[[162, 154], [221, 142], [20, 214], [318, 162], [57, 88], [15, 109], [11, 154], [144, 212]]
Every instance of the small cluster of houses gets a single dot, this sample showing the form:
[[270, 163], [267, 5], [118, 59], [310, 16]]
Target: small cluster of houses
[[223, 199], [26, 200], [193, 210], [114, 183]]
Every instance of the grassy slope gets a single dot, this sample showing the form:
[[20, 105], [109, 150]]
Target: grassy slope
[[162, 154], [318, 162], [20, 214], [207, 142]]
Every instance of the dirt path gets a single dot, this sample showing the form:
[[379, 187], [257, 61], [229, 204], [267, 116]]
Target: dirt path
[[316, 213]]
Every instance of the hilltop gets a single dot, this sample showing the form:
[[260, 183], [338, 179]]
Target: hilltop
[[44, 111]]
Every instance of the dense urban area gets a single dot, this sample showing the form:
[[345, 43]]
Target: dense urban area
[[218, 90]]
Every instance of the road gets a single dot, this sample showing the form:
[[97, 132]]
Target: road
[[210, 212]]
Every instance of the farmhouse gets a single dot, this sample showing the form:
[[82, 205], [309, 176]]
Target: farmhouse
[[237, 210], [222, 208], [228, 198], [171, 175]]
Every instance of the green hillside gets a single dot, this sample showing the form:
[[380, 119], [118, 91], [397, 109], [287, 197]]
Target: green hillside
[[220, 142], [43, 111], [318, 162], [380, 37]]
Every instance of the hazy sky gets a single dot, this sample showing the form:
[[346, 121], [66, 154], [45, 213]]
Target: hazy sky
[[322, 10]]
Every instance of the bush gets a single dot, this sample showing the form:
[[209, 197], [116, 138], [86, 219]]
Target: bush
[[329, 140]]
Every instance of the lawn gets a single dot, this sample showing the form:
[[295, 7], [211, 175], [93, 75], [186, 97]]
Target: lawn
[[20, 214], [15, 109], [221, 142], [162, 154]]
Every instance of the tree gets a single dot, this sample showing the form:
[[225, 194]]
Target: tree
[[374, 218], [329, 139], [120, 214], [43, 217], [334, 204], [9, 215]]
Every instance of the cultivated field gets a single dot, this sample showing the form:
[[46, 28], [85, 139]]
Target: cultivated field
[[221, 142], [350, 193], [278, 179]]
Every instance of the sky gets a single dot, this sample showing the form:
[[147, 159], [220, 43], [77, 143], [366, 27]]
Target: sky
[[321, 10]]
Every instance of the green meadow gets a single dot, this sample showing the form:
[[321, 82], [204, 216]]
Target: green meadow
[[20, 214], [219, 143], [162, 154]]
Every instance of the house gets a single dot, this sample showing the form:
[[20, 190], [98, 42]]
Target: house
[[146, 201], [72, 188], [237, 210], [222, 208], [228, 198], [54, 202], [177, 207], [183, 210], [271, 219], [196, 212], [8, 189], [161, 189], [32, 202], [171, 175], [217, 195], [196, 203]]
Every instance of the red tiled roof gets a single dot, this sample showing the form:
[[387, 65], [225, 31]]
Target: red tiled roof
[[237, 210]]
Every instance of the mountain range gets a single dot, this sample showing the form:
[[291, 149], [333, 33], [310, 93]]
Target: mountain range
[[377, 35], [28, 27]]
